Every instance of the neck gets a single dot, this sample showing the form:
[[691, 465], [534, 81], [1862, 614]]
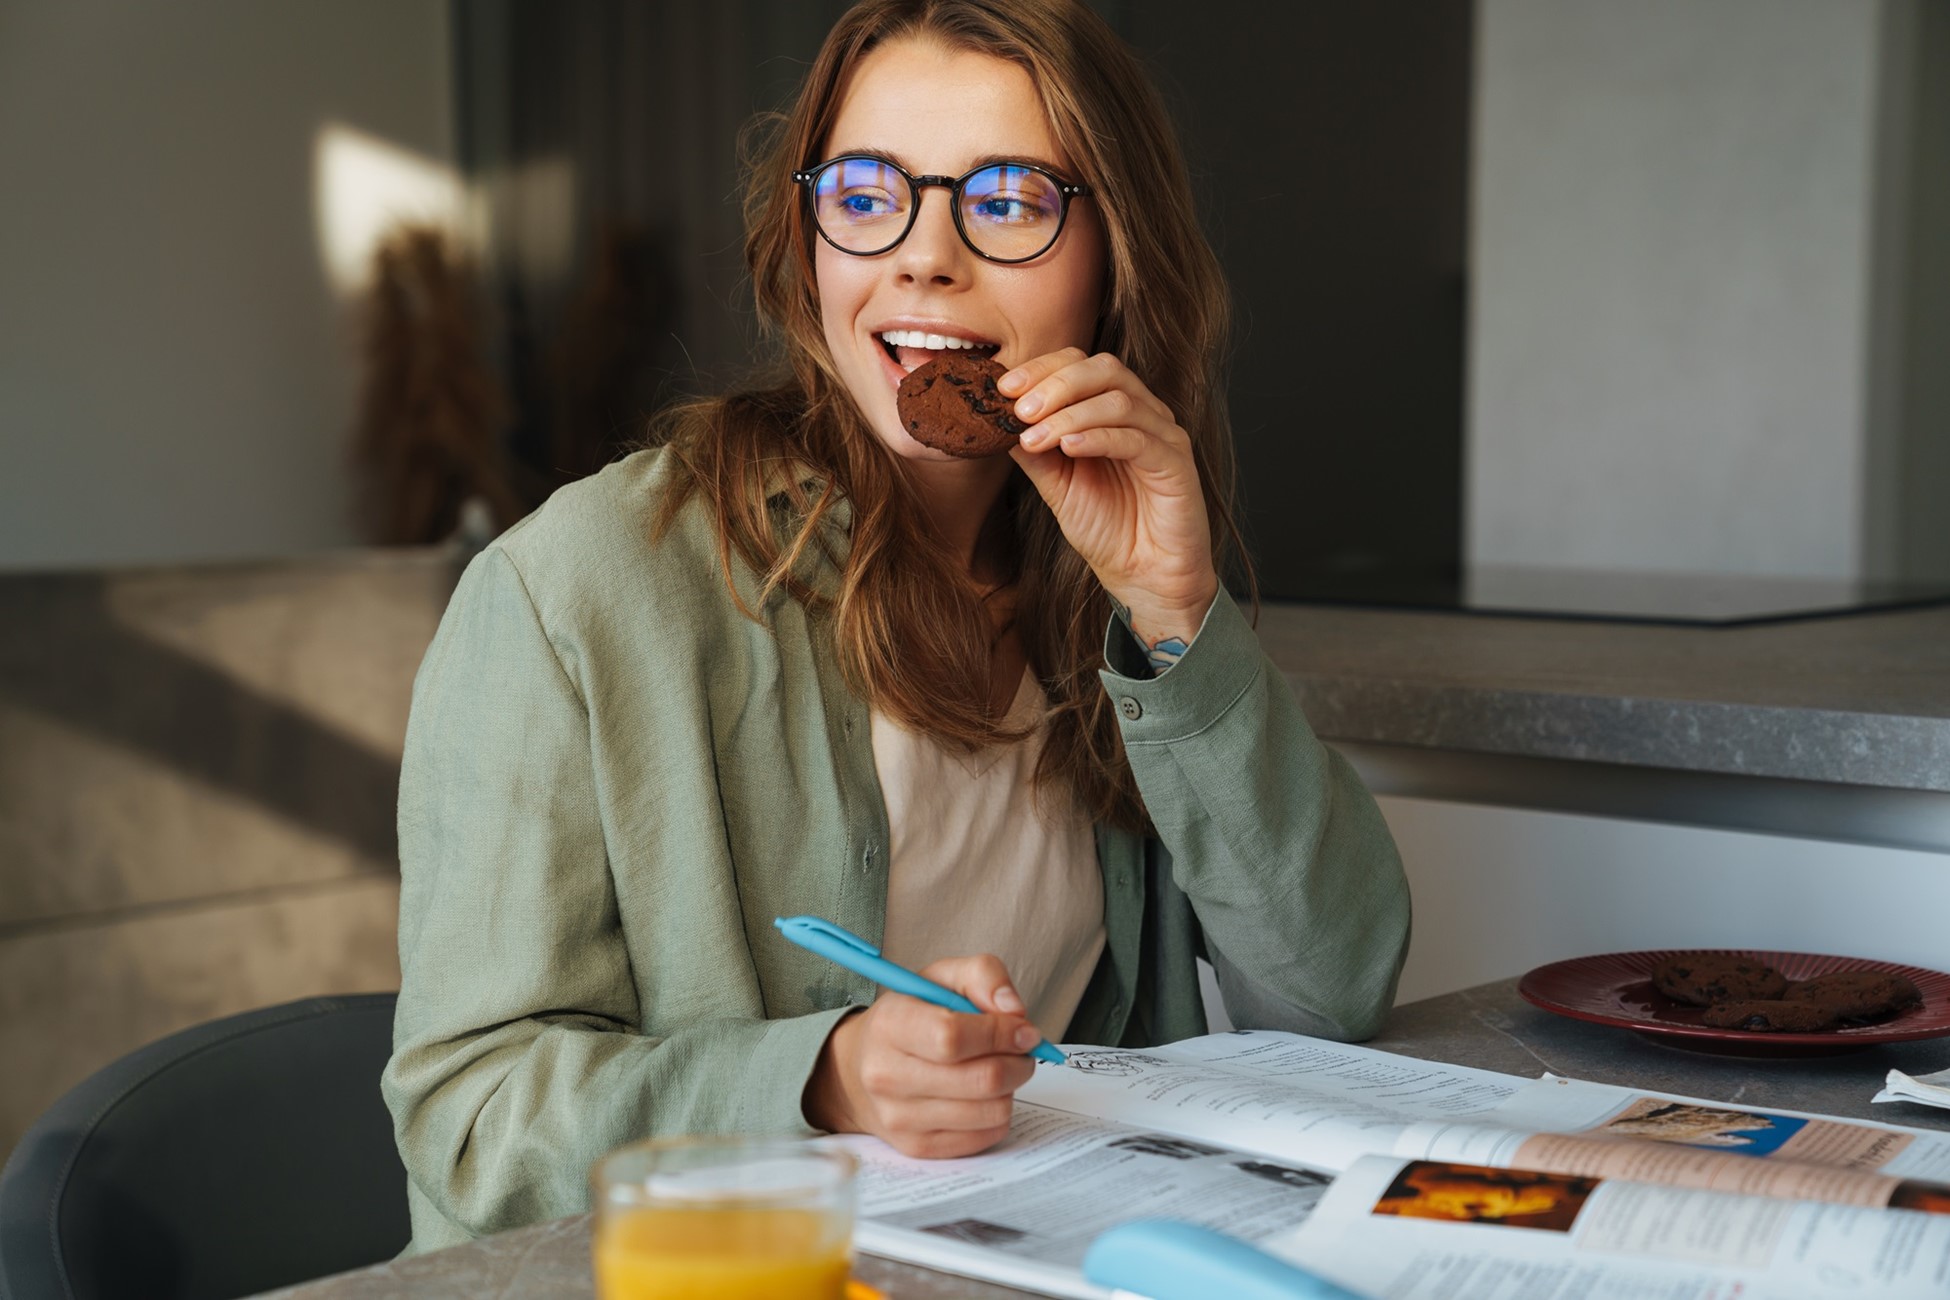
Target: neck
[[959, 497]]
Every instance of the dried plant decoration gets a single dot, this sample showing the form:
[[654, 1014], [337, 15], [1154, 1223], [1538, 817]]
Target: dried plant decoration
[[431, 411], [604, 387]]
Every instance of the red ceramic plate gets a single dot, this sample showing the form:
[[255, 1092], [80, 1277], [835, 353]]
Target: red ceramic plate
[[1615, 988]]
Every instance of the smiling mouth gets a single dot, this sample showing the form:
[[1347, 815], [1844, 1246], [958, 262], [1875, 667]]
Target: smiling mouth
[[911, 349]]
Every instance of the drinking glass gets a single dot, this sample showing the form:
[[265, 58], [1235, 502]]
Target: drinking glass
[[730, 1218]]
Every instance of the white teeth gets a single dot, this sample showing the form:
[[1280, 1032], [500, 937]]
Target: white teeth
[[932, 342]]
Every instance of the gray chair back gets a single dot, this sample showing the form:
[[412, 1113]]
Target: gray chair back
[[234, 1157]]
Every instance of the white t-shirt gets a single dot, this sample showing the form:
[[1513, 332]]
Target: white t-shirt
[[978, 864]]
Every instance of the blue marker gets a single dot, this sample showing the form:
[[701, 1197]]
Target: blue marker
[[862, 958], [1167, 1259]]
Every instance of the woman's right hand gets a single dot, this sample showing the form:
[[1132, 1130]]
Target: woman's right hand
[[928, 1081]]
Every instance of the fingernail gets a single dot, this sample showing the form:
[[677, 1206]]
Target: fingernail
[[1029, 405], [1014, 379], [1027, 1037], [1007, 999]]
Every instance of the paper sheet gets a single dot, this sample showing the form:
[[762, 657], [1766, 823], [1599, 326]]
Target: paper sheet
[[1422, 1230], [1025, 1212], [1692, 1199], [1926, 1089]]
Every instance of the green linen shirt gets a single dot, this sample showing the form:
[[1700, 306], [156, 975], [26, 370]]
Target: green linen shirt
[[614, 780]]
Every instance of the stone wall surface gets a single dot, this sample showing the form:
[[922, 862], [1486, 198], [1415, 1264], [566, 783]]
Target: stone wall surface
[[198, 770]]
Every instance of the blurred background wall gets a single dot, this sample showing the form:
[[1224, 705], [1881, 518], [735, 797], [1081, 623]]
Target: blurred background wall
[[1554, 282], [1708, 287], [1330, 147], [177, 369]]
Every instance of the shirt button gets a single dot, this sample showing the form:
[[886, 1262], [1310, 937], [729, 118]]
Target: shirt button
[[1130, 708]]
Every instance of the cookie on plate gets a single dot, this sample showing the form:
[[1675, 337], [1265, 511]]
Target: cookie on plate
[[1856, 994], [1769, 1015], [1702, 979]]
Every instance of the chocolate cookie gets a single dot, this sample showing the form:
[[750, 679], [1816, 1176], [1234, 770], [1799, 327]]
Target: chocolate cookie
[[950, 404], [1703, 979], [1767, 1015], [1856, 994]]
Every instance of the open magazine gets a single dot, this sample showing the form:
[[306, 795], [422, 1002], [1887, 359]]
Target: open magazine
[[1399, 1177]]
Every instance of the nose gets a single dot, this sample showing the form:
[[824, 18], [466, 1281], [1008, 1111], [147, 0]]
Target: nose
[[933, 252]]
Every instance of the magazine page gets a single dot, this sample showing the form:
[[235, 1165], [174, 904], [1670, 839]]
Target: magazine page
[[1444, 1230], [1024, 1213], [1281, 1094], [1567, 1126], [1568, 1105]]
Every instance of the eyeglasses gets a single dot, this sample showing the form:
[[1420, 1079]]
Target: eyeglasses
[[1005, 212]]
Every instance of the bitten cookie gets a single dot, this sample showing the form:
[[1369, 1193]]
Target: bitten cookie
[[1769, 1016], [951, 404], [1707, 978], [1856, 994]]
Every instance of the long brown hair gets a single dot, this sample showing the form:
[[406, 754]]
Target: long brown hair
[[913, 635]]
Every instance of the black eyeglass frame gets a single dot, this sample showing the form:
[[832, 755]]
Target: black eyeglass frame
[[809, 177]]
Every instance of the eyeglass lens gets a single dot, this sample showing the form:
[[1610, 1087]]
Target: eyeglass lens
[[1007, 212]]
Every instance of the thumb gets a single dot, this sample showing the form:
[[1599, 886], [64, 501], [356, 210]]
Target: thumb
[[1048, 472]]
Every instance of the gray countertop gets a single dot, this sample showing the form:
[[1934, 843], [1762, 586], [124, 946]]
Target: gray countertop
[[1857, 699], [1860, 699], [1489, 1027]]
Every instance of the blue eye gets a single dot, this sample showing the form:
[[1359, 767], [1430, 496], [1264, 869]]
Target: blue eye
[[861, 205], [1019, 198], [1000, 208]]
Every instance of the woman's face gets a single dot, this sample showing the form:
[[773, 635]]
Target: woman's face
[[942, 112]]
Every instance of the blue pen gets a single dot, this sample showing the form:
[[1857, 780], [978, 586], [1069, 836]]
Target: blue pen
[[862, 958], [1168, 1259]]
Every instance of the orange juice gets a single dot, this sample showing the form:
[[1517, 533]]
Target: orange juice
[[728, 1252]]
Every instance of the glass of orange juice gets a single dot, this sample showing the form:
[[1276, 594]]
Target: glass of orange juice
[[728, 1218]]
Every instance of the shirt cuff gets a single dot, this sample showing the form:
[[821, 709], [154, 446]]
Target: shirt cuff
[[780, 1067], [1223, 660]]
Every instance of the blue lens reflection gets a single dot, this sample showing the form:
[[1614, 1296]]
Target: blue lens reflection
[[863, 196]]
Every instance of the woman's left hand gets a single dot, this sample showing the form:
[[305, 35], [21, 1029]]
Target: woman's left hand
[[1114, 467]]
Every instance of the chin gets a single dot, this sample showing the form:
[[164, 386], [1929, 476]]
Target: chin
[[901, 445]]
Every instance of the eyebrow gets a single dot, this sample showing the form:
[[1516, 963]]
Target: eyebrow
[[986, 160]]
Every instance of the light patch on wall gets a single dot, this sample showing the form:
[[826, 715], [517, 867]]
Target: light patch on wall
[[363, 186], [531, 209]]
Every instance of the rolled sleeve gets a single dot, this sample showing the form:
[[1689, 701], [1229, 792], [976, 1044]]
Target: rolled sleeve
[[1209, 678], [1289, 867]]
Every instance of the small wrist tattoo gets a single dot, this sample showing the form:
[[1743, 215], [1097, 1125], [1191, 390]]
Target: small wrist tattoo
[[1167, 652]]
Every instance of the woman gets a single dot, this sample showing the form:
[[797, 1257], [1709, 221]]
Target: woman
[[796, 662]]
